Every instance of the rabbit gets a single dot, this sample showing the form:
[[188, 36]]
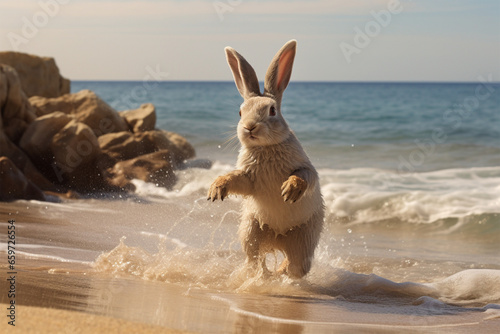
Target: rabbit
[[283, 209]]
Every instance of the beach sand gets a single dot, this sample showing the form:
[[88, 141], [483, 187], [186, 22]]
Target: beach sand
[[138, 306], [74, 275], [41, 320]]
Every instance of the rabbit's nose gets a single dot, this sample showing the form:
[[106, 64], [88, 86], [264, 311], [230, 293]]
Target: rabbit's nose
[[250, 128]]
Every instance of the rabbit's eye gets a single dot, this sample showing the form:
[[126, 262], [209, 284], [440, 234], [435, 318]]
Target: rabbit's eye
[[272, 111]]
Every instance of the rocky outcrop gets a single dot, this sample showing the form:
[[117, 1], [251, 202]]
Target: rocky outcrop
[[14, 185], [126, 145], [154, 168], [86, 107], [16, 111], [37, 138], [65, 151], [76, 150], [16, 115], [78, 143], [39, 75], [141, 119]]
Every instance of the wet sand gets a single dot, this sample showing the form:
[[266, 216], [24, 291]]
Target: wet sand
[[65, 303], [78, 303], [41, 320], [58, 289]]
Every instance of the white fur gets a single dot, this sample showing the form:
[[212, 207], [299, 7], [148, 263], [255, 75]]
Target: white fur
[[269, 167]]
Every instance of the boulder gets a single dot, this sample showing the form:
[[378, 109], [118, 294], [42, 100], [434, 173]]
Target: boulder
[[65, 151], [153, 168], [86, 107], [16, 112], [179, 146], [75, 149], [37, 139], [141, 119], [15, 116], [39, 75], [14, 185], [125, 145], [22, 162]]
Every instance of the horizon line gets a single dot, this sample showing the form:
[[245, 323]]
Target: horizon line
[[292, 82]]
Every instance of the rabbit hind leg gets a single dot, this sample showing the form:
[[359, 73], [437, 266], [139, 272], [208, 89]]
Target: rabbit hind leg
[[255, 241], [298, 245]]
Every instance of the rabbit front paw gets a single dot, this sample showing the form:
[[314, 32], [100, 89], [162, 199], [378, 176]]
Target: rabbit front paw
[[218, 189], [293, 188]]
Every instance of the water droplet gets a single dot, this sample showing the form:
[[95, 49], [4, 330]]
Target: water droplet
[[218, 146]]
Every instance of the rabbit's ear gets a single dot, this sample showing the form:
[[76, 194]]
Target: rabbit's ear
[[279, 71], [244, 74]]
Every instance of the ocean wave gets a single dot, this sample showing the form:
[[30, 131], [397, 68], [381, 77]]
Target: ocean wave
[[451, 200], [456, 197], [225, 271], [191, 181]]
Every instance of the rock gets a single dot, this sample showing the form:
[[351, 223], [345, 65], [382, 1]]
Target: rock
[[86, 107], [141, 119], [35, 176], [125, 145], [14, 185], [22, 162], [37, 139], [153, 168], [179, 146], [16, 112], [15, 116], [65, 151], [76, 141], [75, 149], [39, 75]]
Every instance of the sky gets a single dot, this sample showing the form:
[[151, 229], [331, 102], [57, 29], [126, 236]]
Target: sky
[[338, 40]]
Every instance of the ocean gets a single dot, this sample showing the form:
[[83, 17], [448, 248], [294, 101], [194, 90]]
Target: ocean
[[416, 127], [421, 153], [410, 175]]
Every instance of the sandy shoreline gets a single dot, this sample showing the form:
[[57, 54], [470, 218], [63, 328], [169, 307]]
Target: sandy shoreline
[[39, 320], [60, 291]]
